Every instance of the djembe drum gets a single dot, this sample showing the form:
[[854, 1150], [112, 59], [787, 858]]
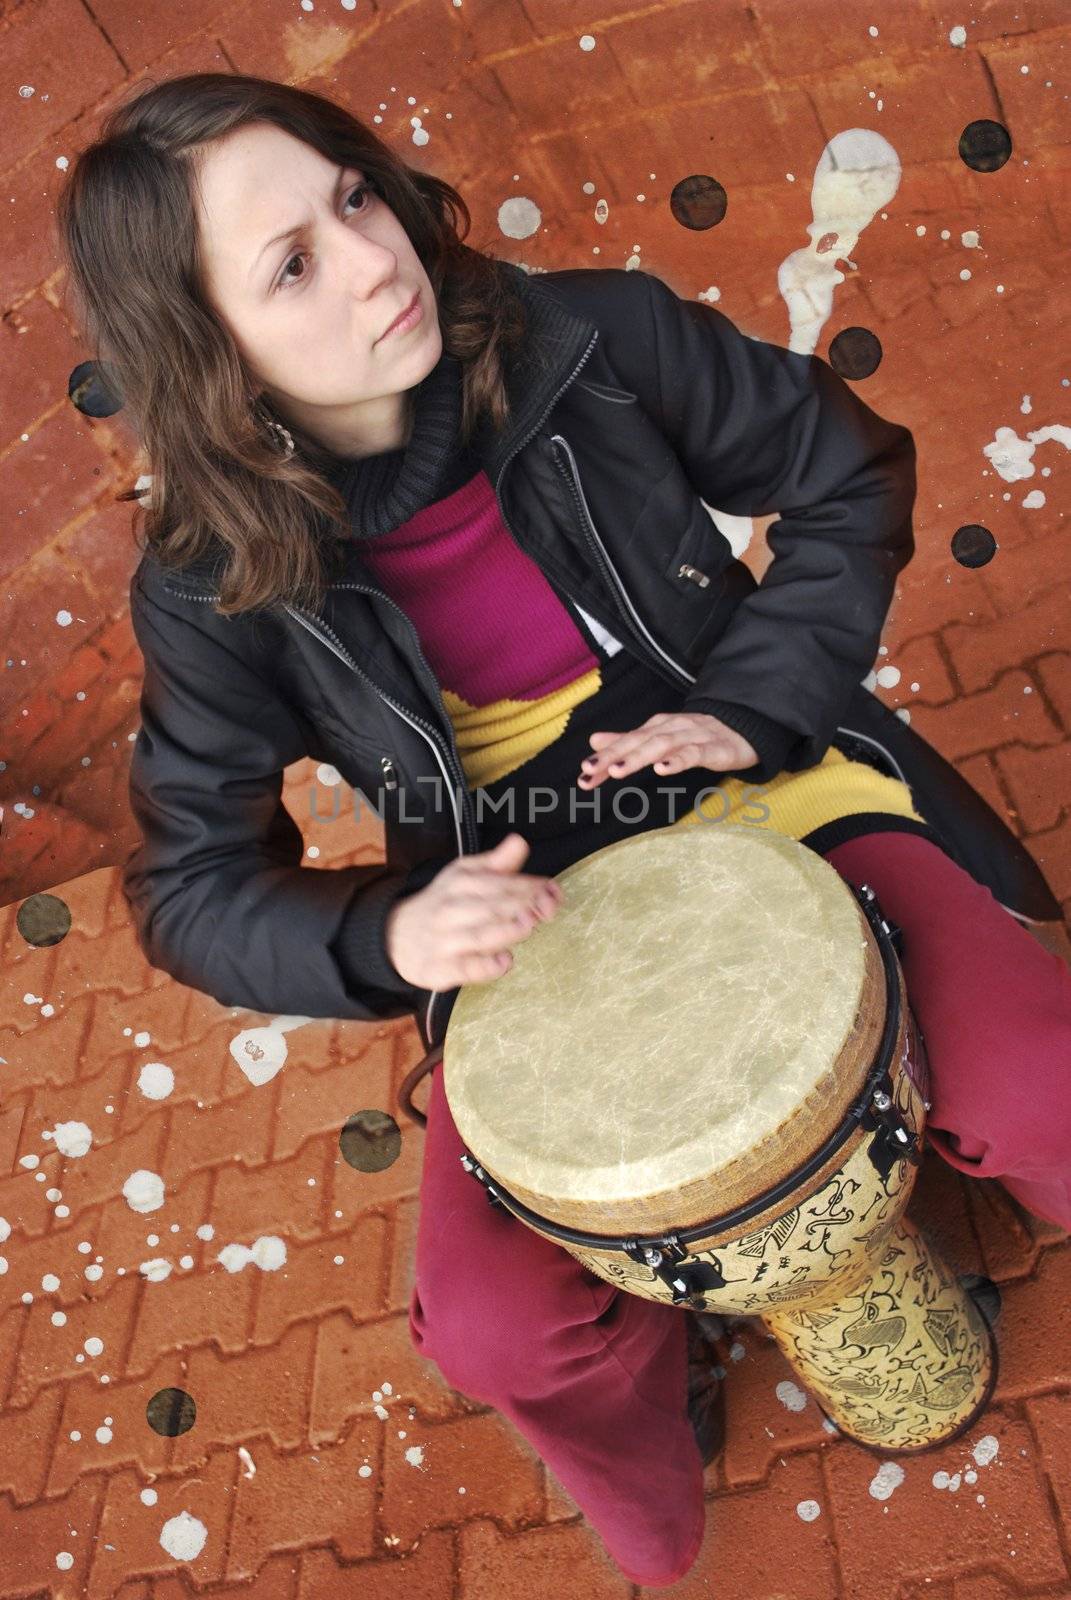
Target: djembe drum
[[703, 1079]]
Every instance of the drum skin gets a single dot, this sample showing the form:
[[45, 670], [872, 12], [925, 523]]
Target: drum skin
[[875, 1324]]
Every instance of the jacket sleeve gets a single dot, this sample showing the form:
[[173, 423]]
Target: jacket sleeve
[[217, 892], [760, 428]]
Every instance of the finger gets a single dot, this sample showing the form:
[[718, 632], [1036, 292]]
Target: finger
[[639, 751], [506, 901]]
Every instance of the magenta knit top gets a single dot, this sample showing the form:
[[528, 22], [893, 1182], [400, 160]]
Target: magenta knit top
[[526, 675]]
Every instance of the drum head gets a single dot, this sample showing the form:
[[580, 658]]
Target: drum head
[[694, 994]]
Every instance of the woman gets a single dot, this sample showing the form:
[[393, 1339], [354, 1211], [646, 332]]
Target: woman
[[468, 550]]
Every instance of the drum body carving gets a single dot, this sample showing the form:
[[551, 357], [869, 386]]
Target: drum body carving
[[729, 1121]]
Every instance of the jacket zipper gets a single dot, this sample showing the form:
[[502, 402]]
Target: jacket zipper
[[320, 629], [571, 474]]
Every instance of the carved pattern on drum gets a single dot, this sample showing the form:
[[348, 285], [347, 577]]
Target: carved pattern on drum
[[904, 1361]]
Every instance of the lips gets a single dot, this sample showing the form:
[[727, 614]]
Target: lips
[[401, 315]]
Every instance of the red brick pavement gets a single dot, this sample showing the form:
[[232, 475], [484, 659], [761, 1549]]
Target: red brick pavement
[[309, 1393]]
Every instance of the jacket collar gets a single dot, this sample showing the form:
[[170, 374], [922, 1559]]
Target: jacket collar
[[535, 375]]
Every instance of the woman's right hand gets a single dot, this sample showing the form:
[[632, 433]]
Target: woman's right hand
[[461, 927]]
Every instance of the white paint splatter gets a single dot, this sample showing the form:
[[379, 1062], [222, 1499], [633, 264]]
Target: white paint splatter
[[857, 174], [1012, 457], [268, 1252], [737, 1351], [957, 36], [64, 1560], [247, 1461], [5, 1230], [93, 1346], [790, 1395], [888, 677], [155, 1080], [148, 1497], [519, 217], [260, 1052], [156, 1270], [986, 1450], [808, 1510], [183, 1537], [940, 1480], [1034, 500], [888, 1477], [415, 1455], [72, 1138], [144, 1190]]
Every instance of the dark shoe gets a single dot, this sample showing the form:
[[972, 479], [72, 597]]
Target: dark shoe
[[706, 1400], [985, 1294]]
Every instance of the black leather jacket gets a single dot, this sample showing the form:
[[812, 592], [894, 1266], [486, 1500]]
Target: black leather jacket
[[631, 408]]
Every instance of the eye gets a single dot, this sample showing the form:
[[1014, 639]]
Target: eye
[[362, 189]]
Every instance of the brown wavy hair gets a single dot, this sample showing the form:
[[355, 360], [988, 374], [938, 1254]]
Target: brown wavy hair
[[128, 233]]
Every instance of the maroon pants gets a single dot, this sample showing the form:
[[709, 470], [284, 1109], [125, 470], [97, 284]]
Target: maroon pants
[[595, 1378]]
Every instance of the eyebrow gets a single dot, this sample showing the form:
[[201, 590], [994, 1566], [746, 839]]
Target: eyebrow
[[288, 233]]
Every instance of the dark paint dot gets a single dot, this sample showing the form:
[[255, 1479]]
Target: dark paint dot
[[89, 388], [973, 545], [985, 146], [855, 353], [370, 1140], [698, 202], [171, 1412], [43, 919]]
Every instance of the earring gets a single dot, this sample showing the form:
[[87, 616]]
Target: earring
[[285, 435]]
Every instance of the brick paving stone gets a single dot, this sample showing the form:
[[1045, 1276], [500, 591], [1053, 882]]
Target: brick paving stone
[[757, 1545], [353, 1361], [1034, 1334], [252, 1200], [918, 660], [1050, 1418], [305, 1497], [427, 1571], [321, 1102], [406, 1215], [563, 1560], [310, 1277], [1054, 673], [922, 1530], [186, 1310], [133, 1443], [26, 1438], [128, 1544], [1004, 714], [981, 650], [1040, 781], [1012, 1238], [31, 1537], [349, 1187], [121, 1235], [49, 1353], [262, 1393], [44, 1050], [759, 1428], [238, 1130], [423, 1472]]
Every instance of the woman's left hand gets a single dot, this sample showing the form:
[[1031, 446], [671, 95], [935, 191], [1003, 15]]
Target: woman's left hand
[[672, 742]]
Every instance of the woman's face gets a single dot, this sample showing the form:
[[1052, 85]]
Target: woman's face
[[309, 312]]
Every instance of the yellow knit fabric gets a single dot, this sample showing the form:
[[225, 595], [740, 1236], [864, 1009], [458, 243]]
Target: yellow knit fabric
[[796, 803]]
